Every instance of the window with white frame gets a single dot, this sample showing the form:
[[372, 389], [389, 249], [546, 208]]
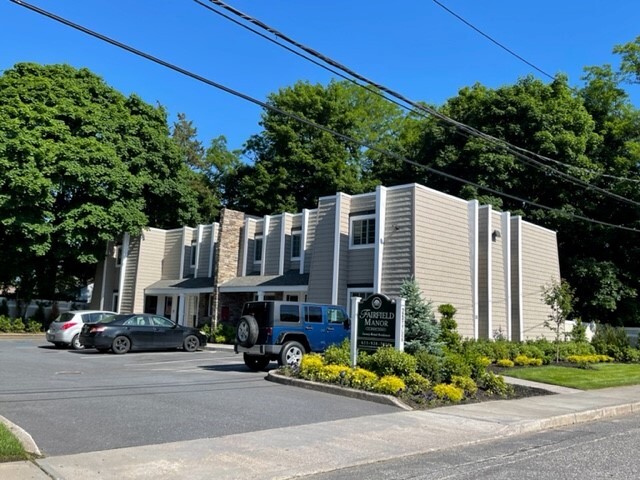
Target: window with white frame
[[296, 239], [362, 231], [257, 253], [194, 249], [363, 293], [118, 255]]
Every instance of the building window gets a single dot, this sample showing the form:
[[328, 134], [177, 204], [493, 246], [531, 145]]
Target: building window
[[296, 239], [257, 255], [118, 254], [194, 250], [114, 304], [363, 231]]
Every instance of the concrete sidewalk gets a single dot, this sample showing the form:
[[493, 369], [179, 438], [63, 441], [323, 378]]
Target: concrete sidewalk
[[303, 450]]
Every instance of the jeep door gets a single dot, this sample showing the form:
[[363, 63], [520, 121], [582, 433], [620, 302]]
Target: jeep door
[[337, 325], [315, 327]]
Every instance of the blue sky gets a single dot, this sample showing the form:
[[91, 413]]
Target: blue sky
[[414, 47]]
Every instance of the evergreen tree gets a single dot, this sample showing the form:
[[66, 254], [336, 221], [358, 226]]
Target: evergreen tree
[[421, 331]]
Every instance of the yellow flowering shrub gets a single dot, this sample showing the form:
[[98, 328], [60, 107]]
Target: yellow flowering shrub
[[361, 379], [448, 392], [310, 365], [389, 384], [467, 384], [505, 363], [332, 373]]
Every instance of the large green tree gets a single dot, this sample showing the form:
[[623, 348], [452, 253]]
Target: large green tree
[[293, 163], [80, 164]]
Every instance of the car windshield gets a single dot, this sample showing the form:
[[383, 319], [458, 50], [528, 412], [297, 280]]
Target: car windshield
[[109, 318], [64, 317]]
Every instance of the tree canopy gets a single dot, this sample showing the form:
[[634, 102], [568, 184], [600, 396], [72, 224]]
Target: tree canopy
[[80, 164]]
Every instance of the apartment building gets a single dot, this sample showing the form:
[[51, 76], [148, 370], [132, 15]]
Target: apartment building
[[490, 265]]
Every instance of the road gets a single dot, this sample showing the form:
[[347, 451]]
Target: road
[[74, 402], [597, 450]]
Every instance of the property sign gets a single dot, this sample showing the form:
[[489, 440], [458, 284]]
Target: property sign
[[378, 323]]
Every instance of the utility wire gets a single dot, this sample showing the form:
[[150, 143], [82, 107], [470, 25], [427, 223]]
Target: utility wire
[[516, 151], [493, 40], [303, 120]]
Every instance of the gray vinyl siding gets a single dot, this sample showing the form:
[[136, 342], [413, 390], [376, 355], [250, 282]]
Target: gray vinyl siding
[[127, 296], [172, 254], [189, 235], [498, 294], [204, 254], [442, 253], [483, 272], [360, 261], [540, 265], [272, 253], [321, 267], [311, 235], [397, 261], [362, 204], [149, 264], [343, 270]]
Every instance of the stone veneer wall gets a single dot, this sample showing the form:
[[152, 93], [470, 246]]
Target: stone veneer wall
[[227, 256]]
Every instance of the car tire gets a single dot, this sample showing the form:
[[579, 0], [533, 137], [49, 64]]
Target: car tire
[[121, 345], [75, 342], [191, 343], [247, 331], [256, 362], [291, 354]]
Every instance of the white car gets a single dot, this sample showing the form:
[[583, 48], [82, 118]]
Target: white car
[[64, 331]]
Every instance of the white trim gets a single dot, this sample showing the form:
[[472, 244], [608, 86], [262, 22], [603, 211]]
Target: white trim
[[336, 249], [182, 245], [520, 276], [352, 290], [381, 210], [214, 232], [506, 262], [181, 308], [489, 273], [303, 239], [472, 208], [171, 291], [245, 246], [265, 235], [123, 269], [283, 221], [104, 277], [199, 242]]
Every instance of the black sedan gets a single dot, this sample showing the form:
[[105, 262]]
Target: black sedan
[[140, 331]]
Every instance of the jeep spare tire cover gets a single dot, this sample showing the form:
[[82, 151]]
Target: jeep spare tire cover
[[247, 331]]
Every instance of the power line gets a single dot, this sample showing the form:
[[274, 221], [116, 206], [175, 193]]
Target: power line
[[297, 117], [514, 150], [493, 40]]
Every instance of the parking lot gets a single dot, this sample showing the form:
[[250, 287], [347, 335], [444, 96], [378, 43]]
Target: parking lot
[[82, 401]]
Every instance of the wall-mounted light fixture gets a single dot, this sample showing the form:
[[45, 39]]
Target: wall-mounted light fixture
[[495, 235]]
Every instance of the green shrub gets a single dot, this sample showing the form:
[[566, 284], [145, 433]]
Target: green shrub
[[389, 361], [33, 326], [428, 366], [448, 328], [448, 392], [5, 324], [531, 351], [495, 384], [361, 379], [416, 383], [421, 331], [338, 354], [579, 332], [17, 325], [478, 365], [223, 333], [610, 341], [466, 384], [505, 363], [523, 360], [631, 355], [389, 384], [454, 364]]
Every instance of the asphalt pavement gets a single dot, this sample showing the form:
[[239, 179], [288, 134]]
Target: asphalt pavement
[[304, 450]]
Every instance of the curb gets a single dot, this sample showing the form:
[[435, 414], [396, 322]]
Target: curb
[[338, 390], [23, 437]]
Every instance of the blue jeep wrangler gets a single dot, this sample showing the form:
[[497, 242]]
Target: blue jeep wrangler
[[284, 331]]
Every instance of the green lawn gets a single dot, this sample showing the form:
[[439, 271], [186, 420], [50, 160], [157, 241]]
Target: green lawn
[[10, 448], [602, 375]]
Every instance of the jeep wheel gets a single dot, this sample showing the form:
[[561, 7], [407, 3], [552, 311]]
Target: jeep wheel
[[247, 331], [256, 362], [291, 354]]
